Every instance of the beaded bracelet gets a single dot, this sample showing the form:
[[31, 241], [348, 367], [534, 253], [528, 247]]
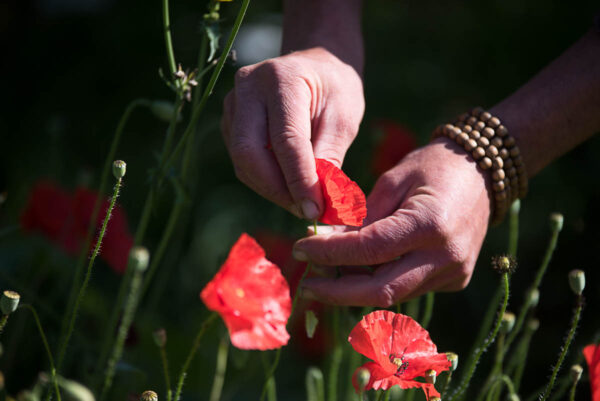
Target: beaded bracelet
[[485, 138]]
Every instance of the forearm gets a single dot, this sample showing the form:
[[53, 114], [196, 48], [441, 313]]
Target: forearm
[[558, 108], [332, 24]]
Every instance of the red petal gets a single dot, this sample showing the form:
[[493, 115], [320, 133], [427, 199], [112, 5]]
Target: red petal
[[372, 337], [592, 357], [251, 296], [381, 380], [345, 202]]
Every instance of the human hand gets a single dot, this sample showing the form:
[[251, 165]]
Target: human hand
[[426, 221], [285, 112]]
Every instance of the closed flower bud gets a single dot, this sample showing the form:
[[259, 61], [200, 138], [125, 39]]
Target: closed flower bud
[[513, 397], [576, 371], [507, 323], [577, 281], [119, 169], [534, 298], [533, 325], [430, 376], [435, 399], [149, 396], [9, 301], [139, 258], [556, 221], [160, 337], [163, 110], [453, 358], [504, 264], [362, 378]]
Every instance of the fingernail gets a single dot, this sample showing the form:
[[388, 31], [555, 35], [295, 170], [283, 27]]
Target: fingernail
[[300, 255], [307, 294], [309, 209]]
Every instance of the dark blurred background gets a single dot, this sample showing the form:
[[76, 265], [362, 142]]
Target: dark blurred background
[[70, 67]]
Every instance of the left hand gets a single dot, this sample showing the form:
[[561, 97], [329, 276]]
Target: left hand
[[427, 218]]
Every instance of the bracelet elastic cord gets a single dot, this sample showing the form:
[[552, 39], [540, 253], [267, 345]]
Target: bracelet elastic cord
[[485, 138]]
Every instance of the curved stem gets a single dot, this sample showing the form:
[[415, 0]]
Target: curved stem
[[205, 325], [573, 389], [167, 376], [168, 40], [513, 236], [336, 359], [217, 387], [565, 348], [88, 274], [428, 312], [471, 369], [45, 341]]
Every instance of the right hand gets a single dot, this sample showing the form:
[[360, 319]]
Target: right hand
[[285, 112]]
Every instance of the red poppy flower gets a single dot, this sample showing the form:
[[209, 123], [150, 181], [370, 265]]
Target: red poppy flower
[[251, 296], [65, 219], [401, 351], [344, 200], [397, 142], [592, 357]]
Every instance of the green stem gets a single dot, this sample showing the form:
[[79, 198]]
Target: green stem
[[88, 274], [496, 387], [106, 171], [271, 390], [412, 308], [518, 361], [513, 236], [211, 84], [573, 389], [126, 320], [186, 365], [428, 312], [565, 348], [471, 368], [315, 387], [387, 395], [3, 322], [168, 40], [217, 387], [45, 341], [493, 376], [446, 384], [336, 359], [165, 364]]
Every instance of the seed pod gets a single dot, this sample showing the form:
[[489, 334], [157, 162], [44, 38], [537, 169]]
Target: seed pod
[[556, 221], [507, 323], [160, 337], [139, 258], [430, 376], [453, 358], [9, 301], [119, 169], [576, 371], [534, 298], [577, 281], [149, 396], [362, 378]]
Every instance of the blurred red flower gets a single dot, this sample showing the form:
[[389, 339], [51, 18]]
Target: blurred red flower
[[397, 142], [251, 296], [344, 200], [592, 357], [278, 248], [64, 219], [401, 350]]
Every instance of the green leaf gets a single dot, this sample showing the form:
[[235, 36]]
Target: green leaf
[[212, 31], [310, 322]]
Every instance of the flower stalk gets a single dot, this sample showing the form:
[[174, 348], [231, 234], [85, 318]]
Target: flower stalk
[[219, 380]]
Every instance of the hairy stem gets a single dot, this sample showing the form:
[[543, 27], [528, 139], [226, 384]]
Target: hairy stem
[[165, 365]]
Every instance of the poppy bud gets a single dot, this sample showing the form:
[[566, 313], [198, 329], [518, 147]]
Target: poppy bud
[[533, 325], [507, 323], [504, 264], [362, 377], [430, 376], [577, 281], [160, 337], [513, 397], [534, 298], [576, 371], [556, 221], [119, 168], [9, 302], [435, 399], [139, 257], [149, 396], [163, 110], [453, 358]]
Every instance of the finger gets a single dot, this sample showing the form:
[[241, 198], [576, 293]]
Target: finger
[[387, 195], [324, 229], [335, 131], [290, 133], [254, 164], [377, 243], [389, 284]]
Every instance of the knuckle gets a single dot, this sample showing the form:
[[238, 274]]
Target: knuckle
[[240, 151], [384, 297], [243, 73]]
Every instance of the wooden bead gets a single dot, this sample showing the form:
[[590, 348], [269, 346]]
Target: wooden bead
[[508, 163], [511, 172], [470, 144], [491, 151], [493, 122], [483, 142], [497, 163], [488, 132], [463, 117], [462, 138], [500, 196], [498, 175], [438, 131], [479, 125], [478, 153], [467, 128], [471, 121], [498, 186], [485, 116], [518, 161], [501, 131], [474, 134], [509, 142], [459, 125], [504, 153], [477, 111], [486, 163], [497, 142], [514, 152], [447, 129]]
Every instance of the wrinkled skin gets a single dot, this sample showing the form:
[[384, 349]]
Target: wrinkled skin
[[284, 112], [427, 218]]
